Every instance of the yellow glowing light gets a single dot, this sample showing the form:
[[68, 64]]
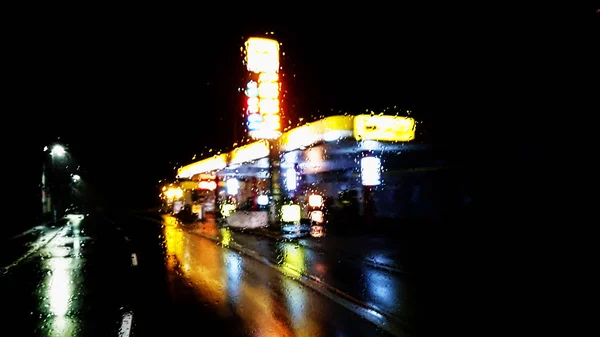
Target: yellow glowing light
[[327, 129], [294, 264], [272, 122], [264, 134], [174, 193], [268, 77], [269, 90], [290, 213], [207, 185], [227, 209], [262, 55], [268, 106], [215, 163], [197, 209], [250, 152], [225, 237], [384, 128], [188, 185], [298, 137]]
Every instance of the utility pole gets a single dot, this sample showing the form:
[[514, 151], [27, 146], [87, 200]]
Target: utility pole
[[274, 184], [45, 193]]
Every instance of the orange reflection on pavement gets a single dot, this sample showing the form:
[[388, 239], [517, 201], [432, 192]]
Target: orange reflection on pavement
[[219, 279], [204, 268], [208, 228], [173, 246], [170, 220], [257, 306]]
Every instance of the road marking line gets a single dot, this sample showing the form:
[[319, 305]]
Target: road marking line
[[134, 261], [125, 329]]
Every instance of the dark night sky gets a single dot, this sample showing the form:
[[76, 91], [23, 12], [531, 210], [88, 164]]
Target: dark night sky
[[133, 96]]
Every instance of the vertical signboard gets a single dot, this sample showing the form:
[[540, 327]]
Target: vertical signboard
[[263, 88]]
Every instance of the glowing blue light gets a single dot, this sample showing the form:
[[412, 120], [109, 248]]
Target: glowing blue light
[[254, 118], [254, 121], [252, 89]]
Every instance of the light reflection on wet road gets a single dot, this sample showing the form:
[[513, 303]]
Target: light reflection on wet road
[[266, 302], [62, 268], [390, 292]]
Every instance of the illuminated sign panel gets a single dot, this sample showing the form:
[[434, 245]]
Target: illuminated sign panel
[[262, 90], [262, 55], [384, 128]]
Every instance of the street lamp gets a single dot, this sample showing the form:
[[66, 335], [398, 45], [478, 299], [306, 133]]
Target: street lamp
[[58, 151]]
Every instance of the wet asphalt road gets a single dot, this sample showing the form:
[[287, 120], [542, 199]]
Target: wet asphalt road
[[231, 294], [68, 281], [385, 291], [80, 279]]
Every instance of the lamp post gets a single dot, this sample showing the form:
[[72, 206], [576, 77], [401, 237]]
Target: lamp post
[[48, 185]]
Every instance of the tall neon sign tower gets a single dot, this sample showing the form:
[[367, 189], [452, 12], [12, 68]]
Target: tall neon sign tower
[[263, 88]]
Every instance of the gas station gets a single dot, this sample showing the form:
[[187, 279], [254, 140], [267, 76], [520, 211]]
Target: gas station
[[316, 162], [296, 177]]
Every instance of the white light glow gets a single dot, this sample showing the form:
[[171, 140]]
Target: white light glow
[[291, 179], [58, 151], [262, 200], [233, 185], [370, 171]]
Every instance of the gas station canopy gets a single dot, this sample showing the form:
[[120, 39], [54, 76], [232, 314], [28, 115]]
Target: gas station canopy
[[343, 133]]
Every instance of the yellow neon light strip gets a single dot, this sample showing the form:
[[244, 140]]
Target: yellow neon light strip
[[327, 129], [250, 152], [214, 163]]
